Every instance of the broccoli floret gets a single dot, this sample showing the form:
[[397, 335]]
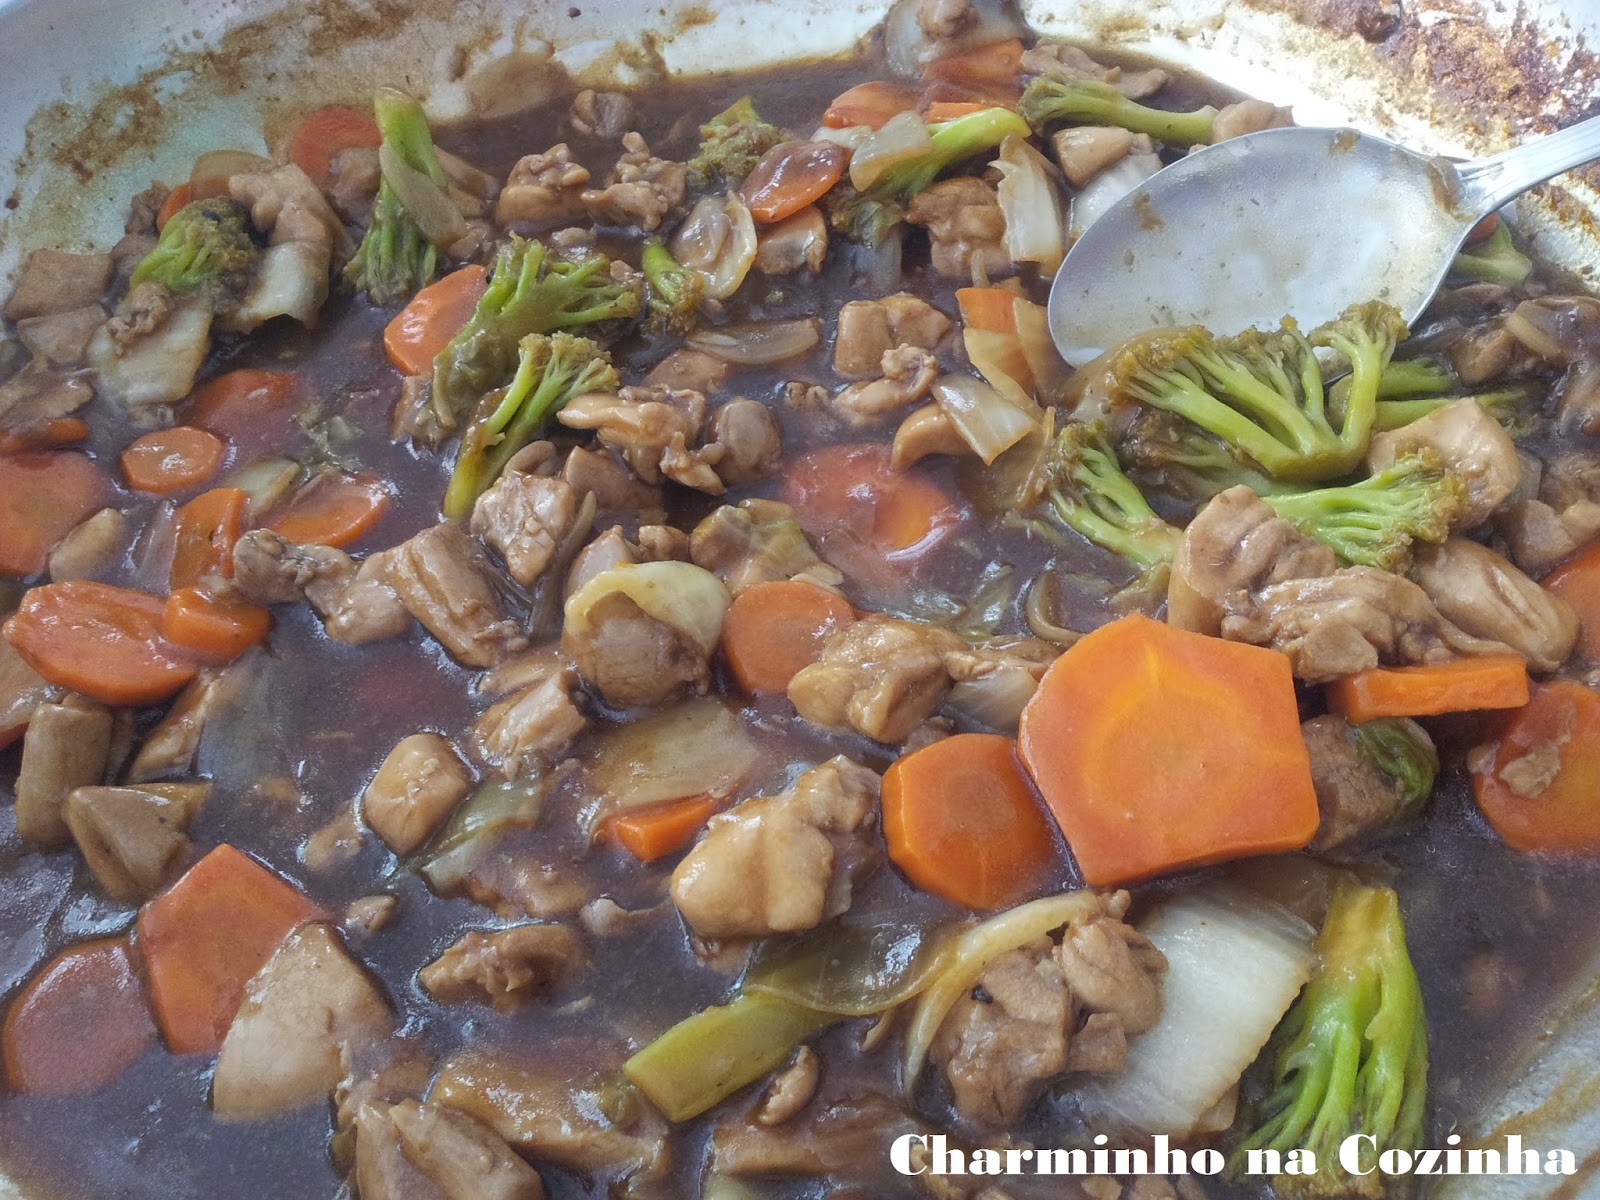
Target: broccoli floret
[[1051, 101], [1402, 750], [1262, 393], [552, 369], [395, 259], [1352, 1055], [731, 144], [1188, 462], [1496, 260], [869, 216], [1407, 377], [1086, 487], [205, 245], [1512, 405], [530, 291], [674, 291]]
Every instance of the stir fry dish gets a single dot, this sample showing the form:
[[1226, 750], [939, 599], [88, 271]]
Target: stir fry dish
[[603, 653]]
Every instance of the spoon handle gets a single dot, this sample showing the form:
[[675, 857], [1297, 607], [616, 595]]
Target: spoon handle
[[1489, 183]]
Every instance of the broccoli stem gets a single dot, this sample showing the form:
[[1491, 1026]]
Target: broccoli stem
[[394, 259], [1374, 522], [1090, 493], [1504, 404], [1050, 101], [1496, 260], [674, 291], [1414, 377]]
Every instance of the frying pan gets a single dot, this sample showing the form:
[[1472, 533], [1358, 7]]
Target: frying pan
[[99, 97]]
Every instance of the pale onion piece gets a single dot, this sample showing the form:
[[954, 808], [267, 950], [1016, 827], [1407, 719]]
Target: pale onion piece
[[157, 369], [908, 47], [1049, 369], [1000, 359], [759, 344], [680, 594], [1235, 962], [696, 748], [994, 701], [850, 137], [1036, 223], [265, 481], [976, 949], [718, 240], [290, 281], [903, 136], [988, 422], [212, 170], [425, 202], [1108, 187]]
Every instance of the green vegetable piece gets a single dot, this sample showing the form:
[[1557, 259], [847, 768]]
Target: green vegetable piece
[[1402, 750], [1415, 377], [1049, 101], [205, 244], [731, 144], [673, 291], [498, 805], [848, 968], [395, 260], [1513, 405], [1088, 492], [1496, 260]]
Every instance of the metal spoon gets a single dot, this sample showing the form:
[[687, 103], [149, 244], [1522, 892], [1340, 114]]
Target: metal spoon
[[1300, 222]]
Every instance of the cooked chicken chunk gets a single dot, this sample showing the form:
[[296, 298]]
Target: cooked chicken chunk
[[62, 339], [758, 541], [927, 431], [533, 725], [780, 864], [543, 190], [688, 369], [1487, 597], [303, 234], [1468, 442], [1535, 534], [615, 488], [649, 426], [412, 1151], [844, 1139], [965, 225], [880, 676], [791, 1089], [417, 786], [506, 968], [444, 581], [869, 329], [1354, 797], [52, 281], [1084, 151], [134, 839], [642, 191], [1248, 116], [993, 683], [1062, 60], [602, 115], [908, 373], [745, 439], [170, 747], [356, 602], [525, 517], [66, 747]]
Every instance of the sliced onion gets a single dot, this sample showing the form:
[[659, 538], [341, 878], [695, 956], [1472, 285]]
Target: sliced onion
[[425, 201], [993, 701], [988, 422], [689, 598], [1036, 226], [214, 168], [717, 239], [1039, 349], [265, 481], [697, 748], [999, 358], [849, 968], [909, 48], [903, 136], [759, 344], [1110, 186], [850, 137]]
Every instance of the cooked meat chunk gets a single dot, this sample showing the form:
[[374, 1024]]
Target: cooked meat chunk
[[941, 19], [62, 339], [844, 1139], [880, 676], [1248, 116], [412, 1151], [1578, 398], [688, 369], [506, 968], [366, 915], [134, 839], [1535, 534], [1084, 151], [91, 549], [368, 609], [354, 174], [303, 234], [66, 747], [535, 724], [53, 281], [1467, 441], [994, 682], [605, 116], [908, 373], [38, 394], [1112, 968], [1353, 795], [927, 431], [357, 603], [1486, 353], [543, 190], [966, 226], [170, 748], [444, 581], [758, 541], [1061, 60], [417, 786], [791, 1089], [144, 311], [780, 864], [525, 517], [632, 658], [745, 439], [1487, 597], [642, 191], [651, 427], [615, 488], [1570, 485], [869, 329], [796, 243]]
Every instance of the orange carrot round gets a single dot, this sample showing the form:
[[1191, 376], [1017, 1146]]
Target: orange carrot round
[[44, 435], [852, 491], [1577, 581], [662, 829], [421, 329], [1540, 789], [791, 176], [1465, 685], [205, 530], [177, 198], [949, 110], [103, 641], [81, 1022], [774, 629], [962, 822], [1158, 749], [43, 497], [323, 132], [253, 409], [213, 629], [331, 509], [172, 460], [986, 75], [870, 104]]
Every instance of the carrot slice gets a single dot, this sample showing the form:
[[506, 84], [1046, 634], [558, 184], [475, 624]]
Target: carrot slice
[[172, 460], [421, 329], [1577, 581], [204, 938], [103, 641], [58, 431], [791, 176], [1541, 787], [253, 409], [852, 490], [43, 497], [662, 829], [774, 629], [205, 530], [213, 629], [1465, 685], [986, 75], [949, 110], [323, 132], [1158, 749], [331, 509], [177, 198], [870, 104], [79, 1024], [962, 821], [992, 309]]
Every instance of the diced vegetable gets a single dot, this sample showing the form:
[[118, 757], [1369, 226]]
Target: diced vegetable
[[1539, 785], [902, 138], [43, 497], [1577, 581], [172, 460], [1036, 223], [425, 326], [718, 240], [962, 821], [45, 435], [759, 344], [205, 937], [498, 805], [659, 830], [325, 131], [1159, 749], [204, 533], [331, 509], [869, 104], [774, 629], [1465, 685], [849, 967], [987, 421], [213, 629], [252, 409], [697, 748], [178, 198]]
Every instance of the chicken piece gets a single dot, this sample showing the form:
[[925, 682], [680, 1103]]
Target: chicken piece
[[1353, 796], [1485, 354], [1235, 546], [542, 191], [354, 174], [1535, 534], [62, 339], [880, 676], [52, 281], [1112, 968], [1487, 597], [412, 1151], [366, 915], [369, 609], [303, 235], [927, 431], [1061, 60], [785, 863], [535, 724], [908, 373], [1570, 485], [993, 683], [1083, 151], [307, 1009], [416, 788], [615, 488], [444, 581], [135, 839], [688, 369], [506, 968], [1468, 442], [22, 691], [1578, 398], [604, 116], [632, 658], [966, 226], [791, 1089], [799, 396], [641, 192], [525, 517], [869, 329], [759, 541], [744, 434], [66, 747], [610, 549], [796, 243], [92, 549], [1248, 116], [647, 425], [847, 1139], [38, 394], [356, 602], [662, 543], [170, 748]]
